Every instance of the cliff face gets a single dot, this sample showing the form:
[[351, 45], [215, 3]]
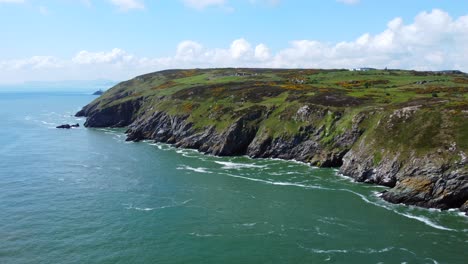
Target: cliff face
[[414, 150], [417, 147]]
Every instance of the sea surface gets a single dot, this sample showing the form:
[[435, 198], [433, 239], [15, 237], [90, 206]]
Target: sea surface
[[87, 196]]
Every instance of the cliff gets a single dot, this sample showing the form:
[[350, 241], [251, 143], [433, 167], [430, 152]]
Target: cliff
[[403, 129]]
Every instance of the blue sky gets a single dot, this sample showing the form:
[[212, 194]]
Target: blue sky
[[117, 39]]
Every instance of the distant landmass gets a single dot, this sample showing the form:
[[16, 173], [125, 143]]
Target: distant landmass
[[98, 92], [403, 129], [89, 86]]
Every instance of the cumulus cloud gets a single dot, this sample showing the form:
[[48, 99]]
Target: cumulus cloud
[[32, 63], [240, 48], [125, 5], [433, 41], [262, 52], [188, 50], [114, 56]]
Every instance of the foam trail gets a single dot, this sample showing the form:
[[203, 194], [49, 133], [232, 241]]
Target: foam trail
[[157, 208], [364, 198], [418, 218], [232, 165], [426, 221], [199, 169], [279, 183], [48, 123]]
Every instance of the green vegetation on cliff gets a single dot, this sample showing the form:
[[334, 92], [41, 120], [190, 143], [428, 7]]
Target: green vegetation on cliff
[[380, 126], [215, 96]]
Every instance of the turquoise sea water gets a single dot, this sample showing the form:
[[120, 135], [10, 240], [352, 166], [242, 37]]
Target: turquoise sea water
[[87, 196]]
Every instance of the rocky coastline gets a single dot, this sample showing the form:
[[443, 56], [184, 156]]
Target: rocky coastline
[[374, 145]]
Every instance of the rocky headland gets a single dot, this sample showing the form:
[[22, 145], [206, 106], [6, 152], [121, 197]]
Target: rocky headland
[[403, 129]]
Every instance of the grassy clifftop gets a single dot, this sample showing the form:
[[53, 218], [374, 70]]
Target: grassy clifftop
[[380, 126], [219, 92]]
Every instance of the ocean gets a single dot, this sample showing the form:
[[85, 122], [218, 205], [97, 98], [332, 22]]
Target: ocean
[[88, 196]]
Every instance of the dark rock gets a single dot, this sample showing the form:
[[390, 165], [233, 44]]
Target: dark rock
[[464, 208], [118, 115], [68, 126], [64, 126], [98, 92]]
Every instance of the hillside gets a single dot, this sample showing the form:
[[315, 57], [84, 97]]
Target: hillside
[[402, 129]]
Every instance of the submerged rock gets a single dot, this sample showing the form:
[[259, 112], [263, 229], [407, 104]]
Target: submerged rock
[[68, 126]]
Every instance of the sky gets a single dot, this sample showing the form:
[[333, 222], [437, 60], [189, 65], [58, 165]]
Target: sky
[[58, 40]]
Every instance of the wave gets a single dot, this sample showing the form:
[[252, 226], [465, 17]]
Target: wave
[[199, 169], [278, 182], [363, 197], [131, 207], [359, 251], [418, 218], [426, 221], [143, 209], [227, 165], [48, 123], [204, 235]]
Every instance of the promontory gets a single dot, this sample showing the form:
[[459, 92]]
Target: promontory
[[407, 130]]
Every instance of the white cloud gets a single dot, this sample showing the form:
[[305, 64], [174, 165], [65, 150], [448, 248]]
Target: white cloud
[[114, 56], [188, 50], [125, 5], [202, 4], [262, 52], [433, 41], [32, 63], [349, 2], [240, 48]]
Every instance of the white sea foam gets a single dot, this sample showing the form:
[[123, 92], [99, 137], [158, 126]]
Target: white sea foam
[[48, 123], [131, 207], [199, 169], [363, 197], [344, 177], [232, 165], [327, 251], [319, 232], [345, 251], [143, 209], [426, 221], [203, 235], [278, 183], [419, 218]]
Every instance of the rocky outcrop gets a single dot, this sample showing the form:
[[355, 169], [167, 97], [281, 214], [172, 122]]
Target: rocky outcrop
[[98, 92], [410, 148], [68, 126], [426, 177], [117, 115]]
